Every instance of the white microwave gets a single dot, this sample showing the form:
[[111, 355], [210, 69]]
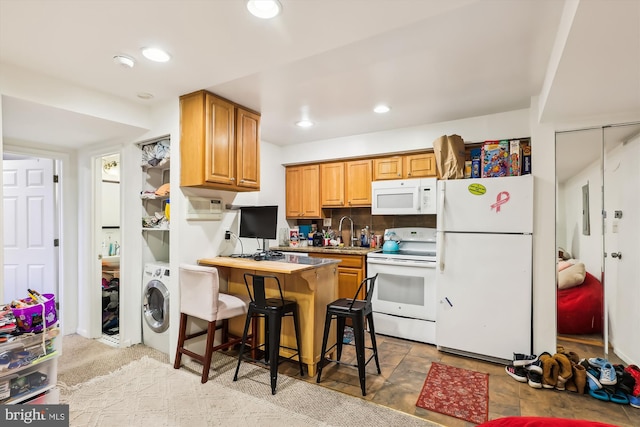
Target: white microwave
[[404, 197]]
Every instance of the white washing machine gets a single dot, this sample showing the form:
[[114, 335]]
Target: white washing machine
[[155, 305]]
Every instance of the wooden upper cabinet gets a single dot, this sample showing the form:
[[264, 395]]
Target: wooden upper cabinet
[[219, 144], [420, 165], [332, 184], [358, 183], [345, 184], [303, 191], [405, 166], [388, 168], [248, 149]]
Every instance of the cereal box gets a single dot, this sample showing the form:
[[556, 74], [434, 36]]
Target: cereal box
[[495, 159], [515, 156], [526, 159]]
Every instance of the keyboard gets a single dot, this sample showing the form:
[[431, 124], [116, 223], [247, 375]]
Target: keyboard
[[241, 255], [274, 256]]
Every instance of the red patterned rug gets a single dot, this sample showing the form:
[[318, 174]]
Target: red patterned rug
[[456, 392]]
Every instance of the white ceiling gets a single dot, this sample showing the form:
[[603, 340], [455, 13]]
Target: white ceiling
[[328, 60]]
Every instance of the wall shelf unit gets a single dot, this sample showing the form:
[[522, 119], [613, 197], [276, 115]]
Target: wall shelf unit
[[155, 196]]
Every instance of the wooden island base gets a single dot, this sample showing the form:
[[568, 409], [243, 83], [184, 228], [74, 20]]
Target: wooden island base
[[311, 286]]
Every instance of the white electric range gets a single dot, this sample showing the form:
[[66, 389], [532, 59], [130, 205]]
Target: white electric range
[[404, 297]]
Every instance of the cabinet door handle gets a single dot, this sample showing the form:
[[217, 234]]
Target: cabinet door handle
[[242, 180], [232, 179], [409, 174]]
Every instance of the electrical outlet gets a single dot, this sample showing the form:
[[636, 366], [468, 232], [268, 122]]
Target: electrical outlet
[[326, 222], [227, 235]]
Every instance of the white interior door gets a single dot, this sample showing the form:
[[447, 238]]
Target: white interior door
[[28, 204], [622, 245]]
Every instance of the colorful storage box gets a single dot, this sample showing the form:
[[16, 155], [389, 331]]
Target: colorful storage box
[[30, 318]]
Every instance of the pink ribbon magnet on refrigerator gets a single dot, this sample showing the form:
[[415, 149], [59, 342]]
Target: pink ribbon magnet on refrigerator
[[503, 197]]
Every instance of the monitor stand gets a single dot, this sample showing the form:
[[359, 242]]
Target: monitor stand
[[270, 255]]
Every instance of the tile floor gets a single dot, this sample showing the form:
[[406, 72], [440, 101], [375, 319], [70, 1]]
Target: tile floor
[[405, 364]]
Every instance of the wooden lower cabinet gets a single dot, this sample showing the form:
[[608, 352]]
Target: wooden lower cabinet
[[351, 271]]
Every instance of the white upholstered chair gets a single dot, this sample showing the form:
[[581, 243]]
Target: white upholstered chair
[[200, 297]]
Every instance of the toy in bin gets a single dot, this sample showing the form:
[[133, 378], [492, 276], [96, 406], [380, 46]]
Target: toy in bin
[[30, 312]]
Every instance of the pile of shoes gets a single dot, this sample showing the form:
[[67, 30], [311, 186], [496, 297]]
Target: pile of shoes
[[546, 371], [565, 370], [613, 382]]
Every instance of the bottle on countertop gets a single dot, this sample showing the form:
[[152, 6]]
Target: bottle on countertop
[[364, 237]]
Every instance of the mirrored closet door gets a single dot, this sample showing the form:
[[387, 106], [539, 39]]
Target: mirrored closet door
[[598, 239]]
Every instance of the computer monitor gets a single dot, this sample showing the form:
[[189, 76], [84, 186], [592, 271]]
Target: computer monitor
[[260, 222]]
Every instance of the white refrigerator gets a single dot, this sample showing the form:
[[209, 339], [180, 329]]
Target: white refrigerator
[[484, 267]]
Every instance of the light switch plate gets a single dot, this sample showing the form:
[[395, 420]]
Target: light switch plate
[[326, 222]]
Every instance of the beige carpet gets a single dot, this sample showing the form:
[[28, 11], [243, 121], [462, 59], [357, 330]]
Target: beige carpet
[[149, 392], [83, 358]]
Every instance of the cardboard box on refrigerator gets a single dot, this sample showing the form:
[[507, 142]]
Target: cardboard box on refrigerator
[[526, 159], [495, 159], [515, 157]]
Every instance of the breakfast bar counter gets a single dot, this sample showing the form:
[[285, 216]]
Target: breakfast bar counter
[[311, 282]]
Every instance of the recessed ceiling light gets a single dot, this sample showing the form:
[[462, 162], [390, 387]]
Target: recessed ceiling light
[[381, 109], [265, 9], [155, 54], [145, 95], [125, 61], [304, 123]]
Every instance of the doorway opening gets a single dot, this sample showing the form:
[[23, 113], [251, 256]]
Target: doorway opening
[[108, 209]]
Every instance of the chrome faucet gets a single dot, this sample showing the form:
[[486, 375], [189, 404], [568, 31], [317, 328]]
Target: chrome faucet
[[340, 229]]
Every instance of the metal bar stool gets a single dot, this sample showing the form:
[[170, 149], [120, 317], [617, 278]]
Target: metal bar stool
[[356, 310], [272, 310], [200, 297]]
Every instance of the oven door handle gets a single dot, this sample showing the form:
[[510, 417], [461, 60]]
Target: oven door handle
[[405, 263]]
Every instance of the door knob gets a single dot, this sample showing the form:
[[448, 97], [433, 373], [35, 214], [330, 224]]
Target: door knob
[[616, 255]]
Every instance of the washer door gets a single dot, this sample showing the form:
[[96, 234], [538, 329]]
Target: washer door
[[155, 306]]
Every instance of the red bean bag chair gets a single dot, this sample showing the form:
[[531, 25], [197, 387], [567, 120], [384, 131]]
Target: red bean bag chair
[[541, 422], [580, 308]]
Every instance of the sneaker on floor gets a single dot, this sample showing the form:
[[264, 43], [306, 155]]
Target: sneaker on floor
[[518, 373], [634, 371], [535, 366], [592, 380], [520, 359], [634, 401], [534, 379], [597, 362], [585, 363], [608, 375]]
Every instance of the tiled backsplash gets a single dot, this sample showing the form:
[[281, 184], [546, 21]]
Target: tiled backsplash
[[377, 223]]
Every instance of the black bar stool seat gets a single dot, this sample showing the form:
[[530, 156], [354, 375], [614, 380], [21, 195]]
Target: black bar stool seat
[[356, 310], [273, 310]]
